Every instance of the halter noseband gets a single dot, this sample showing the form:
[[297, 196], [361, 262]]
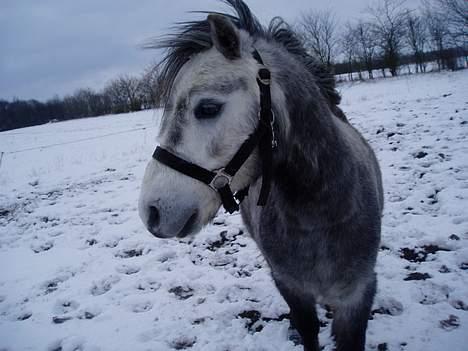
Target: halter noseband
[[263, 136]]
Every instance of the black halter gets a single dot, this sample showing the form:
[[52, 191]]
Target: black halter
[[263, 137]]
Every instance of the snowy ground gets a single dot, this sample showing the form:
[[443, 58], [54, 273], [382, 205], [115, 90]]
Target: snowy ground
[[79, 272]]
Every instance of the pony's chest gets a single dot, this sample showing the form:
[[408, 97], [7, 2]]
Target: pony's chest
[[305, 267], [296, 254], [295, 258]]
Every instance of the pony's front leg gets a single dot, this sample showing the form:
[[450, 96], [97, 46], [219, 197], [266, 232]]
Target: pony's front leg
[[303, 316], [350, 322]]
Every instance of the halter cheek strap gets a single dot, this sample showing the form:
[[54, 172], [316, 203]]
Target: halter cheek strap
[[263, 137]]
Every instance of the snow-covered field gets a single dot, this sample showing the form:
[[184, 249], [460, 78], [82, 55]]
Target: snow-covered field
[[79, 272]]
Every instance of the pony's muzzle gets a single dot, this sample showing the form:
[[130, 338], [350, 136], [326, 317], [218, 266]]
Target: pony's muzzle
[[164, 223]]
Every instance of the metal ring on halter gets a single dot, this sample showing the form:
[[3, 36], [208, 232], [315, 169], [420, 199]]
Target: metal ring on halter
[[264, 81], [220, 180]]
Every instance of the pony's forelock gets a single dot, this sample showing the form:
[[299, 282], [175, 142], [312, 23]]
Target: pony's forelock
[[191, 38]]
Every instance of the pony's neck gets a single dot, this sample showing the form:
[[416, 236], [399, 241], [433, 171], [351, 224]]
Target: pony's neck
[[306, 154]]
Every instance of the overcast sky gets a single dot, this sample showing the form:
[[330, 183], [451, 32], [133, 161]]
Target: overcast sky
[[53, 47]]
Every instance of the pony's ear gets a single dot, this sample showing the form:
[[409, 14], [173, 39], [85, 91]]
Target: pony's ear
[[225, 36]]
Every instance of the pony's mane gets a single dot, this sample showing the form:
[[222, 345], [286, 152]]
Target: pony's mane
[[194, 37]]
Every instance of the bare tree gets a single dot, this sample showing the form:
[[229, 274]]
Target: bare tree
[[348, 49], [437, 27], [416, 37], [117, 98], [457, 18], [150, 87], [131, 87], [389, 29], [366, 46], [125, 94], [319, 30]]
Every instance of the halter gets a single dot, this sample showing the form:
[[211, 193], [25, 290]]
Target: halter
[[220, 180]]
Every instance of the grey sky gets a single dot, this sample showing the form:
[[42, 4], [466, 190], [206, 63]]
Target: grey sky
[[53, 47]]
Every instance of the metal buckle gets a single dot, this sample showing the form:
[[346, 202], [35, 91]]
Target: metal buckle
[[274, 141], [220, 180], [264, 81]]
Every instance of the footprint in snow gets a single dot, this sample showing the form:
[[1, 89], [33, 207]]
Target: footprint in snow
[[39, 247], [91, 242], [383, 347], [182, 292], [88, 312], [417, 276], [420, 154], [127, 269], [23, 315], [116, 218], [148, 285], [432, 293], [166, 256], [129, 253], [65, 306], [444, 269], [104, 285], [71, 343], [226, 238], [459, 220], [420, 254], [255, 322], [55, 233], [388, 306], [113, 242], [459, 305], [62, 310], [396, 198], [52, 285], [60, 319], [140, 307], [219, 222], [183, 343], [86, 315], [451, 323], [220, 260]]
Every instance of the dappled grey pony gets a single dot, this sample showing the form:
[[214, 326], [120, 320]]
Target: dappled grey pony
[[250, 116]]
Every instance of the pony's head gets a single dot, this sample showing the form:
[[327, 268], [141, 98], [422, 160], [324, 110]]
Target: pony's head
[[212, 103]]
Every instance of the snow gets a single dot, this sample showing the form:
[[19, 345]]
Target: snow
[[79, 271]]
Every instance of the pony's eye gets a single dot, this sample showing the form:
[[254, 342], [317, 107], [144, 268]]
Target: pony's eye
[[207, 109]]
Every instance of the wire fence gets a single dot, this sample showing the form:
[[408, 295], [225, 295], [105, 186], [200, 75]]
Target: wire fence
[[3, 153]]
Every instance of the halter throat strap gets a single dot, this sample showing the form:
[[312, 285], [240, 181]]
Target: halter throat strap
[[263, 137]]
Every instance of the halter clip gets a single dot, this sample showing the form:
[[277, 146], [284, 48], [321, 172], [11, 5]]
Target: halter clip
[[264, 76], [220, 180]]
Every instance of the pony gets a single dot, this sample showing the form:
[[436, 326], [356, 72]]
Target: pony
[[236, 92]]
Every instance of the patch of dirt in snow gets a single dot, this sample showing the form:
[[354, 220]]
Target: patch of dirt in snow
[[79, 272]]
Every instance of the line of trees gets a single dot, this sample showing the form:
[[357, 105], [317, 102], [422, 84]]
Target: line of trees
[[386, 38], [123, 94]]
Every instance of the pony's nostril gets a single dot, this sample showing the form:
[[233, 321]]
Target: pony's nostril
[[153, 219]]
